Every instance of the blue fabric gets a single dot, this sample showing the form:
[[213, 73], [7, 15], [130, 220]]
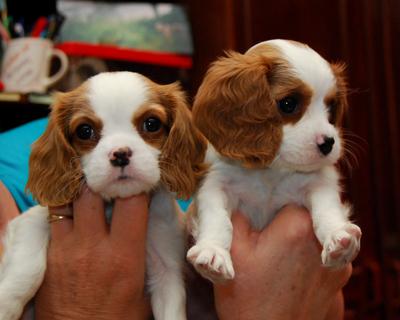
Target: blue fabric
[[14, 157]]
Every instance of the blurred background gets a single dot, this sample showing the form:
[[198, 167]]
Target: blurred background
[[179, 42]]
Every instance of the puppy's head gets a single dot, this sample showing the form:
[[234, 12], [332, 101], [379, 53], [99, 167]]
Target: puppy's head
[[280, 104], [120, 133]]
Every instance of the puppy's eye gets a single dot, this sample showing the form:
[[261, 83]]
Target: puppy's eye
[[288, 105], [332, 109], [152, 124], [85, 132]]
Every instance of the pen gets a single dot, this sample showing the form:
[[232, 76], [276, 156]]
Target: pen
[[58, 21], [39, 27]]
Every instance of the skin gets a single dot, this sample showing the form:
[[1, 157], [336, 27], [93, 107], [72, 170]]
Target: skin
[[278, 273], [8, 209], [96, 272]]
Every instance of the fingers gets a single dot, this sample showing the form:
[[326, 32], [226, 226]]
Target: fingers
[[338, 278], [242, 234], [89, 217], [59, 229], [241, 226], [292, 225], [336, 310], [129, 220], [244, 238]]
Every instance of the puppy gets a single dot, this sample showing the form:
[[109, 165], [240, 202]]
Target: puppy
[[272, 116], [121, 134]]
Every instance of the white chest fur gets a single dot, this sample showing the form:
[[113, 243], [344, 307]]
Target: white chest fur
[[259, 194]]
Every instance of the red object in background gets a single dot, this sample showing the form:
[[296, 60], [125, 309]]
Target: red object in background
[[1, 86], [39, 26], [126, 54]]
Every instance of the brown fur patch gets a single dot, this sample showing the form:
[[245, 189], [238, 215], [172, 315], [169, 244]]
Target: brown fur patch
[[84, 116], [283, 82], [337, 99], [55, 175], [156, 139], [290, 86], [182, 154]]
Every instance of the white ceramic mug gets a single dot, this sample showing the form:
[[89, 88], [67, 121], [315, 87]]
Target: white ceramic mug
[[26, 65]]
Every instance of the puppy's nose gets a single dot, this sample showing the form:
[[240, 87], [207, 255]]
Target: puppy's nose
[[326, 146], [120, 157]]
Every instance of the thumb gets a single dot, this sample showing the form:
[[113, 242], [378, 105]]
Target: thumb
[[242, 232]]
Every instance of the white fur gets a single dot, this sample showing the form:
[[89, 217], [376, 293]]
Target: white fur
[[299, 174], [115, 97]]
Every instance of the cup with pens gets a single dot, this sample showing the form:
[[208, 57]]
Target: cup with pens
[[28, 55]]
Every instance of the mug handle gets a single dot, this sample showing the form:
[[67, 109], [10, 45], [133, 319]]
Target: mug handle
[[63, 67]]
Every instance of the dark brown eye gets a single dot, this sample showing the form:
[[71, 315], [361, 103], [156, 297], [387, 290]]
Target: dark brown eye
[[289, 105], [332, 109], [85, 132], [152, 124]]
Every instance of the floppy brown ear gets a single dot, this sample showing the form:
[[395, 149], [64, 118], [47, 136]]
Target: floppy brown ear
[[339, 70], [54, 170], [182, 156], [235, 111]]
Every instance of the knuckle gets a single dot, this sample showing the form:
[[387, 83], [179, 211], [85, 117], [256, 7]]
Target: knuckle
[[299, 227], [346, 274], [341, 277]]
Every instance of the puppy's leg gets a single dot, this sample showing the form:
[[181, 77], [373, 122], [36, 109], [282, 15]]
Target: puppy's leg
[[210, 255], [23, 262], [339, 237], [165, 259]]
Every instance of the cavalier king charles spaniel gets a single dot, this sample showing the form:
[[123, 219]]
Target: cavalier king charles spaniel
[[120, 134], [272, 117]]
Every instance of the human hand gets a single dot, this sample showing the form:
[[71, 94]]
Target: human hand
[[278, 273], [96, 271]]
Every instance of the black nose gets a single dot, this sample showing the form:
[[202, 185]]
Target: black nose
[[120, 158], [326, 147]]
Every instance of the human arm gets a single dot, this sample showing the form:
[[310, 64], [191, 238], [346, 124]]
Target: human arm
[[95, 271], [279, 273], [8, 209]]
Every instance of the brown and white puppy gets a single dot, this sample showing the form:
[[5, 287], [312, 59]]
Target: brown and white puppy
[[121, 134], [272, 116]]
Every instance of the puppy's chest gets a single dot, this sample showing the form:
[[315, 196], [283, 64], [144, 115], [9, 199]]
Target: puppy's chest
[[261, 193]]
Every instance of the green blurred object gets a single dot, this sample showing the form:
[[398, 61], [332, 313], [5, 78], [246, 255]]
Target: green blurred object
[[143, 26]]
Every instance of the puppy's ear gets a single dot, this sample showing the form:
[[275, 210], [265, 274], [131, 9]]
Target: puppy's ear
[[234, 109], [54, 171], [339, 108], [182, 156]]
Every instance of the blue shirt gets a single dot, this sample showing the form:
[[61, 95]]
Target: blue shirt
[[15, 147]]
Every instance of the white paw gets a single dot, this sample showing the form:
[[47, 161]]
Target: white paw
[[341, 247], [211, 261]]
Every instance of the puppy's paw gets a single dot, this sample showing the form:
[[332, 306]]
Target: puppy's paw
[[211, 261], [341, 247]]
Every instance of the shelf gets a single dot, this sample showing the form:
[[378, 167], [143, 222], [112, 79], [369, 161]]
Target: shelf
[[127, 54], [31, 98]]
